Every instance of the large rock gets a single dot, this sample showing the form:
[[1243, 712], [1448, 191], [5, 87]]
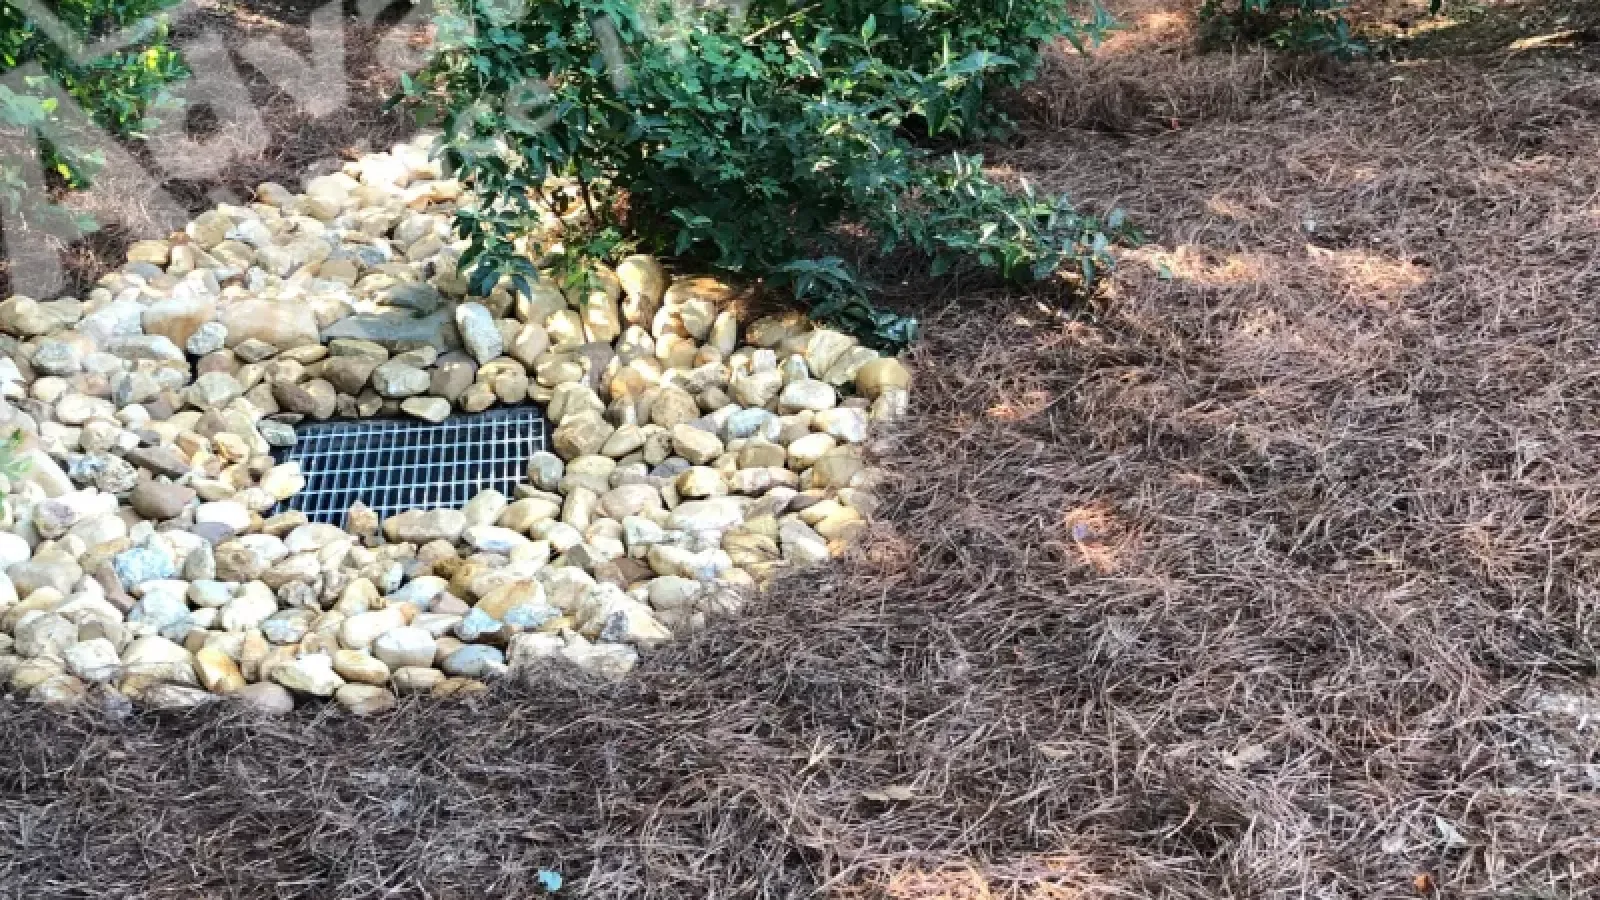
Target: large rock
[[879, 375], [421, 526], [317, 398], [158, 658], [249, 557], [54, 569], [349, 374], [45, 634], [177, 318], [27, 317], [405, 646], [428, 409], [474, 661], [137, 565], [479, 332], [807, 393], [674, 406], [698, 447], [248, 610], [161, 609], [93, 660], [397, 330], [757, 389], [160, 500], [213, 390], [397, 380], [265, 698], [364, 699], [282, 323], [582, 435], [217, 671], [643, 282], [312, 675], [359, 631]]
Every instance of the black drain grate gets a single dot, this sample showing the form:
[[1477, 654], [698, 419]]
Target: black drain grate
[[394, 465]]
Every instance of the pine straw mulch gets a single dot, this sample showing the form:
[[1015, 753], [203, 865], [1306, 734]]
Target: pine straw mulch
[[1273, 575]]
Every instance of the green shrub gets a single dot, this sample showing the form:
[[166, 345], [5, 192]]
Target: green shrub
[[750, 143], [917, 35], [117, 90], [1298, 26]]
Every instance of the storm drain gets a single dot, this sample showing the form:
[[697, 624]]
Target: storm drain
[[394, 465]]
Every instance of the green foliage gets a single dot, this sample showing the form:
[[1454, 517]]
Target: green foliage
[[1297, 26], [14, 463], [745, 142], [918, 34], [118, 90]]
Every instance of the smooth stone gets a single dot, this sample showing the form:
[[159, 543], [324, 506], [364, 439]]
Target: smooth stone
[[478, 332], [428, 409], [474, 661], [312, 675], [265, 697], [364, 699], [160, 500], [422, 526], [406, 646]]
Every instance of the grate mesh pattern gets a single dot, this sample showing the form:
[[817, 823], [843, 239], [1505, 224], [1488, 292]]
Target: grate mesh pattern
[[394, 465]]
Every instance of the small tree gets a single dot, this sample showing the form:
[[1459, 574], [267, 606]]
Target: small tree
[[751, 139]]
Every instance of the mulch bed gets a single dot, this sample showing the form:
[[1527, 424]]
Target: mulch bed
[[1273, 573]]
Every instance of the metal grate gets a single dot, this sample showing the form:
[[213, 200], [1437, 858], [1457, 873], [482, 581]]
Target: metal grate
[[394, 465]]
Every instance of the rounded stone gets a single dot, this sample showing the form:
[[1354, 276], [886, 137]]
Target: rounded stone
[[407, 646], [364, 699], [160, 500], [265, 697]]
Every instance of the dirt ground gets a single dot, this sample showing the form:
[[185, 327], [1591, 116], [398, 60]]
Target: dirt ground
[[1271, 573]]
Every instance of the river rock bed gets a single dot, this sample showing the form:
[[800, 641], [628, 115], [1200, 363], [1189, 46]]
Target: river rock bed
[[144, 557]]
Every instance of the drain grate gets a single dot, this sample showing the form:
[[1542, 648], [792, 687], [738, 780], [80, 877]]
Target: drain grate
[[394, 465]]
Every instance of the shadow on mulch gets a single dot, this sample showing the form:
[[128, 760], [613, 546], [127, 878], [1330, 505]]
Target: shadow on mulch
[[1272, 574]]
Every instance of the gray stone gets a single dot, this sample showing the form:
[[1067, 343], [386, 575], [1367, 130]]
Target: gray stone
[[265, 697], [479, 332], [160, 500], [162, 460], [474, 661], [419, 297], [144, 346], [208, 338], [428, 409], [277, 434], [396, 380], [478, 625], [421, 526], [248, 558], [53, 570], [397, 328], [287, 626], [405, 646], [349, 374], [93, 660], [55, 357], [312, 675], [160, 610], [140, 564], [44, 635], [213, 390], [111, 474]]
